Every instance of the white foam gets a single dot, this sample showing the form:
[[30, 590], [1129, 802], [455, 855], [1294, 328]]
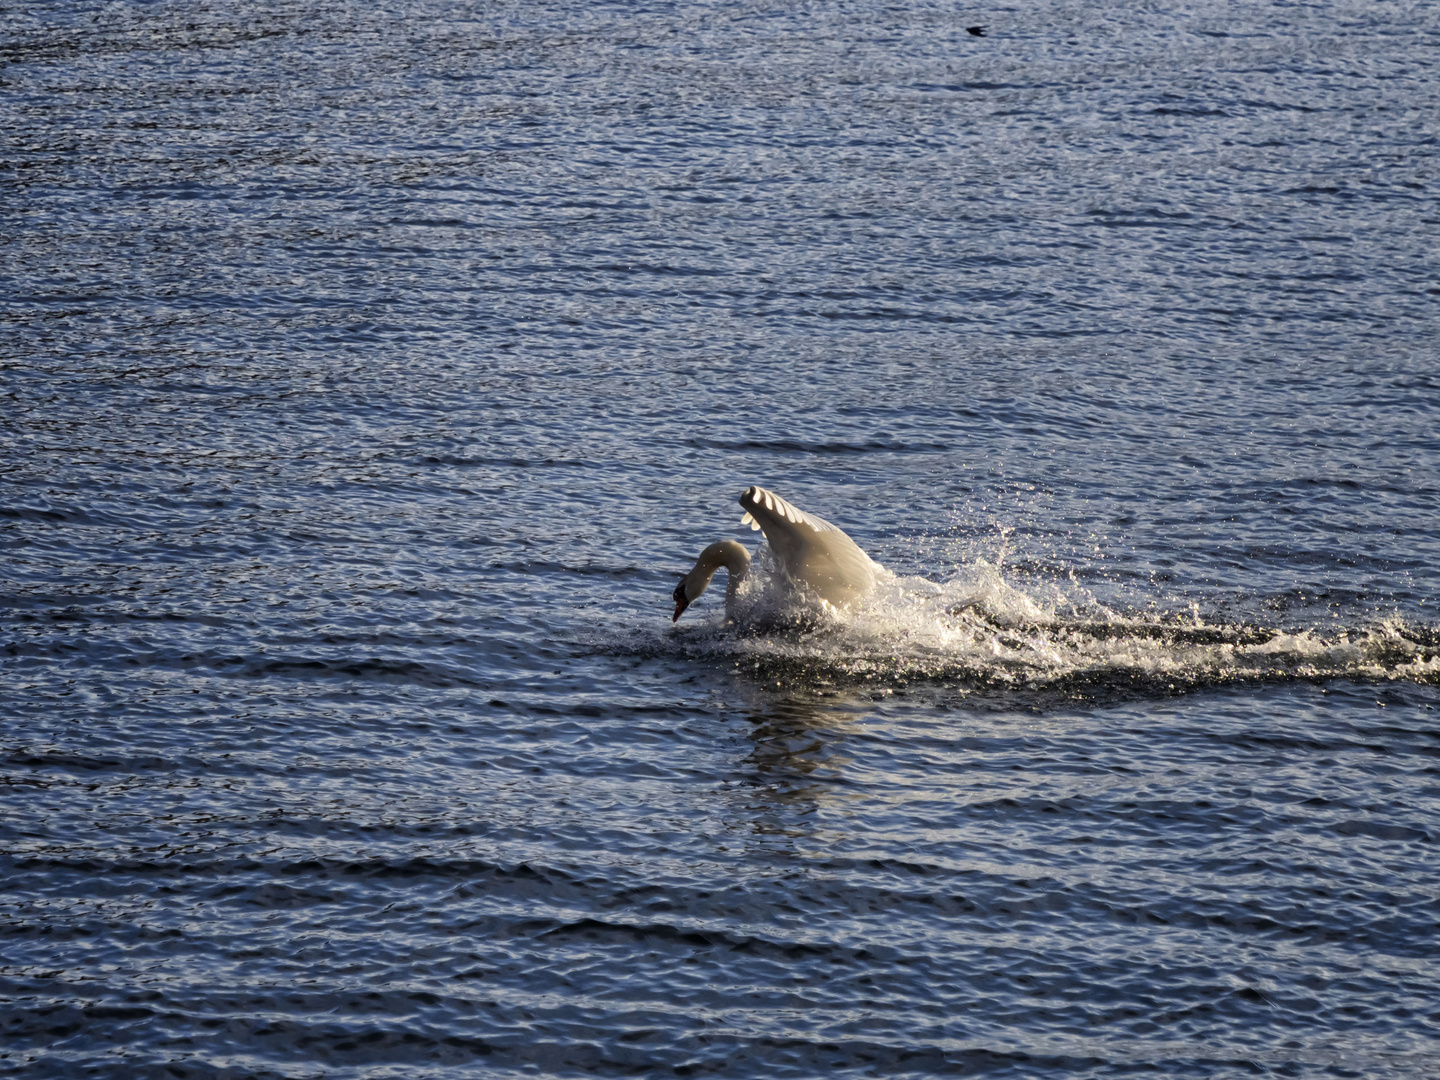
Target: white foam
[[981, 626]]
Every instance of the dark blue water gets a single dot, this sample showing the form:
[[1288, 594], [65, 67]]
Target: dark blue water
[[368, 373]]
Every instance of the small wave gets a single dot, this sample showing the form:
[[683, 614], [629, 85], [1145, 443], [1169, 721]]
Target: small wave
[[550, 566], [963, 87], [795, 446], [314, 668]]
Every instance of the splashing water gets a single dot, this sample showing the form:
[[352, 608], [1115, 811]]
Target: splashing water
[[981, 630]]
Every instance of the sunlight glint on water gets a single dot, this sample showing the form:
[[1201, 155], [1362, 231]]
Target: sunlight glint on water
[[369, 374]]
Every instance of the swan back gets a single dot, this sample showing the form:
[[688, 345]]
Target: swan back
[[808, 549]]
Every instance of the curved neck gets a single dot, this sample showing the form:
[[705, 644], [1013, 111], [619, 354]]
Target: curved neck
[[723, 553]]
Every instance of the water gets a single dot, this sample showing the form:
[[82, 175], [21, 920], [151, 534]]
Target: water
[[370, 372]]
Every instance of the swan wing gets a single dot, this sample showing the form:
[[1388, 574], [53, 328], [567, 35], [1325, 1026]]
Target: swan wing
[[809, 549]]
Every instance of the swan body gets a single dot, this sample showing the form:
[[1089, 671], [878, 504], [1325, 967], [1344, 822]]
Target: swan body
[[814, 557]]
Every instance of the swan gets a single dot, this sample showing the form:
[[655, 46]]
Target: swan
[[815, 558]]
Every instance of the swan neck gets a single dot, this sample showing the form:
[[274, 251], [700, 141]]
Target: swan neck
[[729, 554], [726, 554]]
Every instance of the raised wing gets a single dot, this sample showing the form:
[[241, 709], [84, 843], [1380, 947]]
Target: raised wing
[[780, 513], [809, 550]]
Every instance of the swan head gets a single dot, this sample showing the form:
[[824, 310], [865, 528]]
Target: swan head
[[725, 553], [681, 600]]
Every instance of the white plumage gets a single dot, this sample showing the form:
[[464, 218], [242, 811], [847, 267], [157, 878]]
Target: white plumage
[[816, 560]]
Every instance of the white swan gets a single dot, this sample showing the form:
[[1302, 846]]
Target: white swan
[[814, 557]]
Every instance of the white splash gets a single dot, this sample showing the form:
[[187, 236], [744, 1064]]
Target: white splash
[[981, 627]]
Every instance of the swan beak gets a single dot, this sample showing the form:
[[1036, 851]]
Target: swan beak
[[681, 601]]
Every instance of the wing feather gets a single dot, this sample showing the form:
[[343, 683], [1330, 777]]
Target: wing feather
[[809, 549]]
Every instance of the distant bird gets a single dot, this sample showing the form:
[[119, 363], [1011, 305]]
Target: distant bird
[[976, 31], [815, 558]]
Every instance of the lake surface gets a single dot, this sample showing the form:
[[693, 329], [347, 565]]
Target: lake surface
[[369, 373]]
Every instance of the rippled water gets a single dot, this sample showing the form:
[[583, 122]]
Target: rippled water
[[368, 373]]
